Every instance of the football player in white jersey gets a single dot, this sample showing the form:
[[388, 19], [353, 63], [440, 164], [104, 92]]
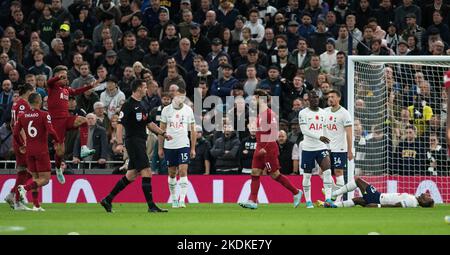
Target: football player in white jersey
[[340, 133], [373, 198], [177, 119], [313, 124]]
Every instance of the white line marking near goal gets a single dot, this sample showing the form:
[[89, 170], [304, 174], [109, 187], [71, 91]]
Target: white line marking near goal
[[11, 228]]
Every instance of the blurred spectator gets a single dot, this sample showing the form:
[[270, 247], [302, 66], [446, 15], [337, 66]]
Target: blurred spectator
[[173, 78], [272, 83], [295, 136], [411, 155], [403, 10], [6, 96], [385, 14], [378, 32], [285, 157], [87, 100], [39, 66], [6, 148], [16, 44], [61, 13], [350, 22], [112, 98], [199, 43], [107, 23], [129, 53], [225, 152], [57, 56], [319, 38], [108, 7], [223, 87], [301, 56], [97, 140], [328, 58], [154, 59], [436, 157], [47, 25], [342, 42], [85, 77], [313, 70], [151, 99], [247, 149], [364, 47], [169, 43], [34, 37], [392, 38], [412, 28], [201, 163], [210, 27]]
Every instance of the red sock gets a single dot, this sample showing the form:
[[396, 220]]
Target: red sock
[[31, 186], [20, 180], [287, 184], [58, 161], [35, 195], [83, 134], [254, 186]]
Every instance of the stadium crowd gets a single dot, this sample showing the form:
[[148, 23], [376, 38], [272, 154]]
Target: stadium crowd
[[226, 47]]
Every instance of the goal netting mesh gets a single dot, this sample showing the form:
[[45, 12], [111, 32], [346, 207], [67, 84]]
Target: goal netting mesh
[[400, 111]]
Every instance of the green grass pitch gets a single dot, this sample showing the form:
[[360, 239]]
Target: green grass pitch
[[61, 219]]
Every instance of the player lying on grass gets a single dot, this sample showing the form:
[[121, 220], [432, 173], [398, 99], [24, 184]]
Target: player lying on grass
[[372, 198]]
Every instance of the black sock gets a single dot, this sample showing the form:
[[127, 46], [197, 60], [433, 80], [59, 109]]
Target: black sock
[[147, 189], [120, 185]]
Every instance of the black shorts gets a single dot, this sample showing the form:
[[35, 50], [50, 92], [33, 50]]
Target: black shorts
[[371, 195], [137, 153]]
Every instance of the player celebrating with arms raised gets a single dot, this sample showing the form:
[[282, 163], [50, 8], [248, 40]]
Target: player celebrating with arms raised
[[58, 108], [372, 198], [313, 124], [266, 152], [19, 107], [177, 119], [135, 119], [37, 125], [340, 133]]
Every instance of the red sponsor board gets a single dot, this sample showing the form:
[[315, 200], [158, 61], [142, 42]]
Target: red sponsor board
[[213, 188]]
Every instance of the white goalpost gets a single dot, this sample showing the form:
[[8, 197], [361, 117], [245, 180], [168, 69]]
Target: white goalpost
[[399, 108]]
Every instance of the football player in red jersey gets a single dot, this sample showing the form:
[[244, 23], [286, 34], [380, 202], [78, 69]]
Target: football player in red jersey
[[58, 108], [37, 125], [266, 152], [23, 176]]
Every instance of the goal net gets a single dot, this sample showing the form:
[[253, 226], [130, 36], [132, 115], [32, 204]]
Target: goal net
[[399, 109]]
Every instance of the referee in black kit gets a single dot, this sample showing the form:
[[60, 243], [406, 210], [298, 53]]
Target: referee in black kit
[[135, 120]]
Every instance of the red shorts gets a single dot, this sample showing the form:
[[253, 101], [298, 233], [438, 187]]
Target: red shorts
[[268, 161], [39, 163], [61, 125], [21, 159]]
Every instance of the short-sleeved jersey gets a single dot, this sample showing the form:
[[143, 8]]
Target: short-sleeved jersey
[[134, 118], [313, 126], [18, 108], [177, 123], [58, 97], [267, 127], [407, 200], [37, 124], [337, 122]]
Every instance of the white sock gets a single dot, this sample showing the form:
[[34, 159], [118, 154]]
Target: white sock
[[307, 186], [327, 183], [339, 184], [172, 187], [350, 186], [183, 188], [346, 203]]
